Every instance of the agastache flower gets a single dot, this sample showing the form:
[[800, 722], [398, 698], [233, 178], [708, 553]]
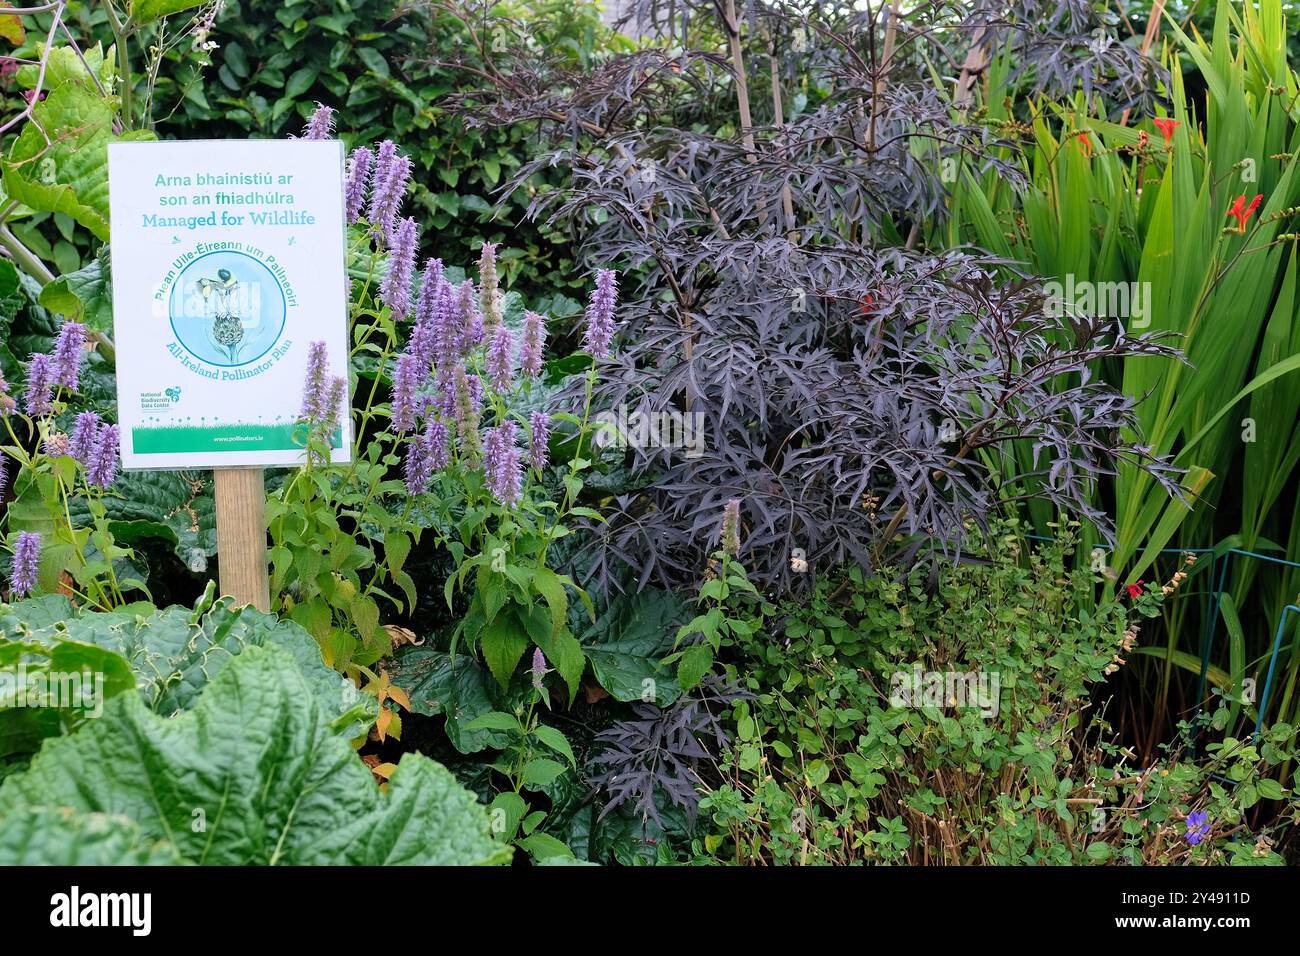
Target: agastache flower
[[417, 469], [388, 188], [500, 366], [407, 380], [501, 464], [530, 349], [600, 314], [466, 417], [1243, 214], [538, 670], [423, 344], [84, 433], [67, 354], [335, 395], [1198, 827], [731, 527], [321, 123], [438, 442], [4, 475], [395, 290], [40, 376], [489, 298], [472, 324], [447, 327], [56, 446], [103, 457], [539, 426], [27, 561], [358, 178], [1166, 127], [315, 395]]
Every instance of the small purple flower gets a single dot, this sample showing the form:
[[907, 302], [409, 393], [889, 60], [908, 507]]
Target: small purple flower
[[418, 470], [446, 327], [315, 394], [467, 415], [472, 329], [539, 427], [27, 561], [1198, 827], [530, 348], [500, 366], [84, 433], [438, 441], [57, 445], [407, 380], [731, 527], [40, 376], [335, 395], [600, 313], [321, 123], [538, 670], [501, 464], [388, 188], [68, 351], [488, 293], [396, 287], [358, 179], [103, 457]]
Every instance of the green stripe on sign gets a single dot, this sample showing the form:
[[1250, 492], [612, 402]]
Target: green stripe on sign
[[171, 439]]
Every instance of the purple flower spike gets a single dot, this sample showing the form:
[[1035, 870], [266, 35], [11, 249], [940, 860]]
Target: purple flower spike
[[423, 343], [84, 434], [467, 414], [103, 457], [446, 327], [500, 366], [731, 527], [1198, 827], [321, 124], [438, 441], [489, 294], [600, 314], [388, 188], [418, 470], [538, 670], [68, 351], [336, 395], [359, 163], [407, 380], [27, 561], [539, 426], [315, 394], [396, 287], [472, 329], [40, 377], [7, 403], [530, 349], [501, 464], [4, 475]]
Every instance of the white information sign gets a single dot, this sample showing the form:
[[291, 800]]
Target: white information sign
[[227, 264]]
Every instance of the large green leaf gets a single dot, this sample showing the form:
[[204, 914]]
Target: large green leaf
[[254, 775], [175, 652], [83, 296], [457, 688], [45, 836], [70, 173], [627, 642]]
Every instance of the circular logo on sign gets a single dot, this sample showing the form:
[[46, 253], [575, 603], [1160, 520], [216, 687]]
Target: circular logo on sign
[[227, 309]]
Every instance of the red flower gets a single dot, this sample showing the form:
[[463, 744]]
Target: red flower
[[1166, 126], [1242, 211], [1086, 144], [1134, 590], [868, 304]]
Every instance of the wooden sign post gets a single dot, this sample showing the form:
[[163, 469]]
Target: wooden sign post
[[228, 274], [241, 536]]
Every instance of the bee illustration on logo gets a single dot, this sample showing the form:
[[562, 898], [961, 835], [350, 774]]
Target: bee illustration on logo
[[226, 331]]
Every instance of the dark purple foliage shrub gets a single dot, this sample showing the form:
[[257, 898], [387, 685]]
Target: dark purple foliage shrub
[[862, 397]]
